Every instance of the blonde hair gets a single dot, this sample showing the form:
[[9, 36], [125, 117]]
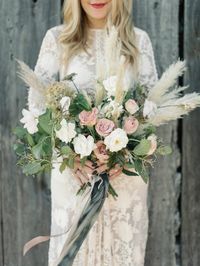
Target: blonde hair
[[74, 36]]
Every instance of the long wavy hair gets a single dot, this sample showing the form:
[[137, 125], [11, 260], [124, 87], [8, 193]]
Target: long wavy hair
[[74, 36]]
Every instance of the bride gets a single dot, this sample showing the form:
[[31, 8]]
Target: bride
[[119, 236]]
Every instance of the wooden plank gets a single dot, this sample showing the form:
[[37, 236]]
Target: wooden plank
[[25, 203], [160, 20], [190, 234]]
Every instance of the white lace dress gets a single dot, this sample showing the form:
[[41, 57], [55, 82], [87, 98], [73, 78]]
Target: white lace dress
[[118, 237]]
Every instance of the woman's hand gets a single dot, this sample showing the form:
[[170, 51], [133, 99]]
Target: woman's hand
[[83, 173], [113, 173]]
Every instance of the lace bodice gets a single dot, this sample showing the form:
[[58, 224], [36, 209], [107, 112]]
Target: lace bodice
[[84, 64], [118, 237]]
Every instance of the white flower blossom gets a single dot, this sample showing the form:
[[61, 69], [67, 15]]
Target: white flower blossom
[[30, 121], [67, 131], [110, 85], [84, 145], [116, 140], [65, 103], [112, 108], [150, 109]]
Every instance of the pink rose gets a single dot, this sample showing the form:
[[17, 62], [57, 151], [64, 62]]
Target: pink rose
[[131, 106], [153, 140], [101, 152], [104, 127], [130, 124], [88, 118]]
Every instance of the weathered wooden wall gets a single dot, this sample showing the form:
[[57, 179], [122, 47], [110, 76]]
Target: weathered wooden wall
[[25, 203], [161, 20], [174, 235], [190, 202]]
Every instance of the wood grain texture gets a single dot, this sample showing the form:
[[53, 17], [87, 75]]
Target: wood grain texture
[[160, 20], [190, 235], [24, 202]]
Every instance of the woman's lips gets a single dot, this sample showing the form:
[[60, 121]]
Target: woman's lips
[[98, 5]]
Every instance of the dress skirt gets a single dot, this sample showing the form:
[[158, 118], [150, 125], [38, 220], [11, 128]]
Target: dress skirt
[[119, 235]]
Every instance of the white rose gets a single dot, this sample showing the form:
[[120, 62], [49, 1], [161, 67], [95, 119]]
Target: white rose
[[110, 85], [131, 106], [150, 109], [116, 140], [83, 146], [153, 140], [65, 103], [30, 121], [67, 131]]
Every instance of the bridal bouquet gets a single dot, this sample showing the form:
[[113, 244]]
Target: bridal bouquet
[[116, 126]]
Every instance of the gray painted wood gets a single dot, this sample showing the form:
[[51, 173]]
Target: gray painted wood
[[160, 20], [24, 202], [191, 148]]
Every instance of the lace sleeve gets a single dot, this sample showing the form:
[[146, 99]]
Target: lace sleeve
[[147, 68], [47, 67]]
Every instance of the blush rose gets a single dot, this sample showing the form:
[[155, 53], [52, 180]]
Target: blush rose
[[88, 118], [104, 127], [130, 124]]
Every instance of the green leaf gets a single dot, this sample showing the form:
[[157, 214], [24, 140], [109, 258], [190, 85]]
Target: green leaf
[[142, 148], [129, 165], [140, 168], [83, 160], [20, 132], [47, 167], [43, 148], [30, 140], [37, 151], [128, 95], [47, 147], [32, 168], [66, 150], [164, 150], [19, 148], [45, 122], [70, 162], [79, 104], [129, 173], [63, 165], [150, 130]]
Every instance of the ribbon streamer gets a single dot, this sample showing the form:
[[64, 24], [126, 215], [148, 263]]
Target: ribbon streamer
[[88, 206]]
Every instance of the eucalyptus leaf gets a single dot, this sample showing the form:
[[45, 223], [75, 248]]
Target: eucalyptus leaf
[[32, 168], [129, 173], [20, 132], [141, 170], [45, 122], [70, 162], [129, 165], [164, 150], [37, 151], [66, 150], [63, 165], [19, 148], [47, 147], [83, 160], [30, 140], [142, 148]]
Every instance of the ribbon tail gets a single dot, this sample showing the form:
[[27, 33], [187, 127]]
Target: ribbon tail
[[84, 220], [33, 242]]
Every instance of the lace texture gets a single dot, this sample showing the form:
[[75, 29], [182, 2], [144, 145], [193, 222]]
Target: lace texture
[[118, 237]]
